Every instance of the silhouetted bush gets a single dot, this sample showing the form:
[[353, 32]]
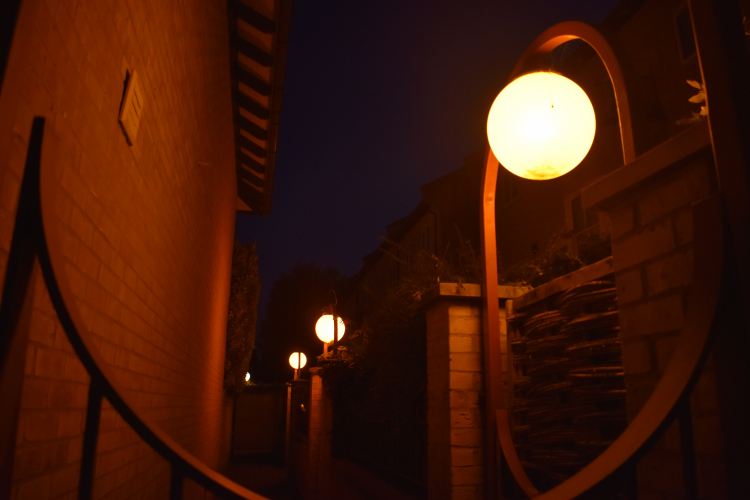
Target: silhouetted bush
[[242, 316]]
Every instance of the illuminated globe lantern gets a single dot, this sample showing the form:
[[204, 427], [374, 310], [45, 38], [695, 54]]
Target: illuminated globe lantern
[[324, 328], [541, 126], [297, 360]]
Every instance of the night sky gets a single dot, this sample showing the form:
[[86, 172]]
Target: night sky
[[381, 97]]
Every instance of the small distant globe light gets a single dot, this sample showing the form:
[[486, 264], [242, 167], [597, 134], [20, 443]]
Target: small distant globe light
[[247, 377], [298, 360], [324, 328], [541, 126]]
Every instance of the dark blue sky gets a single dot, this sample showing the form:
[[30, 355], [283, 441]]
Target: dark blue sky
[[381, 97]]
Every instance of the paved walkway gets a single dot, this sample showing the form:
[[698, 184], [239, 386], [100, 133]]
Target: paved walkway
[[266, 476]]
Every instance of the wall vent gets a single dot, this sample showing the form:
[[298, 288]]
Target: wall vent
[[132, 108]]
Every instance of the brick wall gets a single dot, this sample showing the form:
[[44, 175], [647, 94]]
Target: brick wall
[[455, 440], [652, 247], [147, 230]]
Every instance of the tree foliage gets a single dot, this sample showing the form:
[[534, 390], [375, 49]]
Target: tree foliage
[[296, 302], [698, 98], [387, 354], [242, 316], [385, 364], [555, 262]]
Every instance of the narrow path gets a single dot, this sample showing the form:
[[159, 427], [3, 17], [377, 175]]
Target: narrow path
[[266, 476], [263, 475]]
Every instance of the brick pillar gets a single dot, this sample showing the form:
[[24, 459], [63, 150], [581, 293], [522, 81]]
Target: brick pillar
[[454, 380], [319, 439], [455, 436]]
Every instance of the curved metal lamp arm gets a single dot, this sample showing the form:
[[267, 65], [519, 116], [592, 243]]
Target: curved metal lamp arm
[[702, 300], [575, 30]]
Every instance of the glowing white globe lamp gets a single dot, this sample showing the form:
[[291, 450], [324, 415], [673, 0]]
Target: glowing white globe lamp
[[324, 328], [298, 360], [247, 377], [541, 126]]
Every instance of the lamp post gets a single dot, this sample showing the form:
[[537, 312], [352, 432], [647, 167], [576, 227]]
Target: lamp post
[[540, 126], [330, 327], [297, 360], [726, 87], [330, 331]]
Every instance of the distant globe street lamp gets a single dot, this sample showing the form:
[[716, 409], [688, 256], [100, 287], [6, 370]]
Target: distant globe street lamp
[[329, 331], [324, 328], [541, 126], [330, 327], [297, 360]]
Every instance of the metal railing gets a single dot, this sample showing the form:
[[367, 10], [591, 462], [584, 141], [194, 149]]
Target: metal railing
[[34, 238]]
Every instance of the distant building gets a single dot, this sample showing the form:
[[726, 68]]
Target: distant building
[[447, 214]]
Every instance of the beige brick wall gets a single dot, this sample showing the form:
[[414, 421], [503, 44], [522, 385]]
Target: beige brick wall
[[455, 440], [147, 230]]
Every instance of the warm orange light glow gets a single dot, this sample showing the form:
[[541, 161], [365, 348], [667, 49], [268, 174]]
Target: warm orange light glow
[[298, 360], [324, 328], [541, 126]]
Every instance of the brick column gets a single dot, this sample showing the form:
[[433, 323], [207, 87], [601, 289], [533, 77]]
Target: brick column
[[319, 439], [455, 438]]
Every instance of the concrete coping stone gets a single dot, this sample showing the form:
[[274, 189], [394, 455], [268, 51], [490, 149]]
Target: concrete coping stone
[[629, 178], [299, 381], [469, 291], [522, 296]]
